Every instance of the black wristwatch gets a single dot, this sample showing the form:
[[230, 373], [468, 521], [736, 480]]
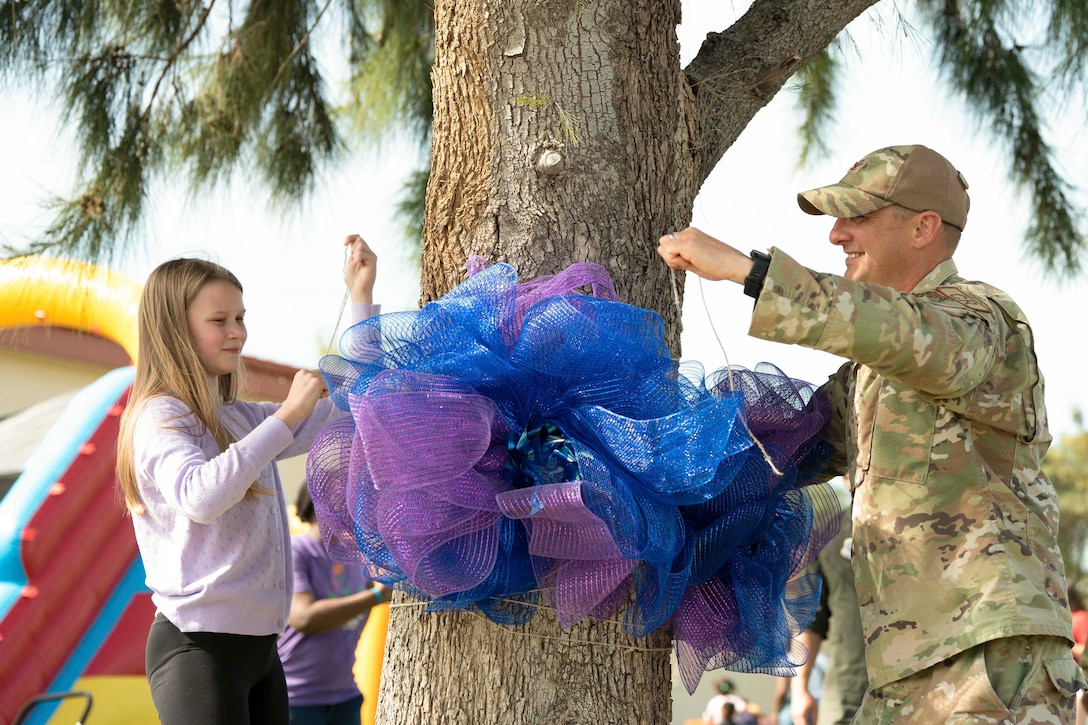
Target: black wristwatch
[[753, 283]]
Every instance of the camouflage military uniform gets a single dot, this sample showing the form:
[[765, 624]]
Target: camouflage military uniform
[[974, 686], [941, 428]]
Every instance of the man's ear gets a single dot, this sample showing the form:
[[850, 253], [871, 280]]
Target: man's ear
[[927, 229]]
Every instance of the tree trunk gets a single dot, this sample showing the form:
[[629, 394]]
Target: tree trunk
[[459, 668], [557, 139], [565, 131], [738, 71]]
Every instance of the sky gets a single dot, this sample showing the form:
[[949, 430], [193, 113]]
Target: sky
[[290, 265]]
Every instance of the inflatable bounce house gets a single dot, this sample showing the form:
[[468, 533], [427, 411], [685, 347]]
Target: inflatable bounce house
[[74, 610]]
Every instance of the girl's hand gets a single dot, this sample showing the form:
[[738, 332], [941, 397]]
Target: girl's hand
[[306, 389], [360, 270]]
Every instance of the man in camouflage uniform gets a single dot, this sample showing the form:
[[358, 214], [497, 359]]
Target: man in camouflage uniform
[[940, 425]]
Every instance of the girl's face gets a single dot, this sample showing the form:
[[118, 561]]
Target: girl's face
[[217, 326]]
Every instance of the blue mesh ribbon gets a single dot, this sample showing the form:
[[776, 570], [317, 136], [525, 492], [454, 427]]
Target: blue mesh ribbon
[[512, 441]]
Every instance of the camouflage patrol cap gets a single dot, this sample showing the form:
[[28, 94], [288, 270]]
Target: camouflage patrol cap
[[913, 177]]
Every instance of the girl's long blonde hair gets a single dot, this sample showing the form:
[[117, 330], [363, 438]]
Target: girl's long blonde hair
[[168, 364]]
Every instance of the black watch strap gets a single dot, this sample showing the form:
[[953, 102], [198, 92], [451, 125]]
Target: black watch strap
[[753, 283]]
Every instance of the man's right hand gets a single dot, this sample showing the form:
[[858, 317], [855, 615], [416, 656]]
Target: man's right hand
[[693, 250]]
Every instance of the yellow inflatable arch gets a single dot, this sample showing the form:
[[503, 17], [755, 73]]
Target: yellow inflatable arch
[[53, 292], [40, 291]]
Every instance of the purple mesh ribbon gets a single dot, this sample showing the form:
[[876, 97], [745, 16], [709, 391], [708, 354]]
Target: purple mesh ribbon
[[511, 442]]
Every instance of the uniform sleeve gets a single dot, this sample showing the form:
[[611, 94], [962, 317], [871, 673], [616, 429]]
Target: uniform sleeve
[[942, 343], [835, 389], [170, 453]]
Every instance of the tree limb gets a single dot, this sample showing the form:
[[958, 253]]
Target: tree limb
[[739, 70]]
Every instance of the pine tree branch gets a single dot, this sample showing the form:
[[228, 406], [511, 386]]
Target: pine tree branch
[[181, 47], [1002, 90], [736, 72], [298, 46], [817, 82]]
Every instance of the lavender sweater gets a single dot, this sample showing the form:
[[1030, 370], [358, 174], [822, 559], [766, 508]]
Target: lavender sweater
[[217, 561]]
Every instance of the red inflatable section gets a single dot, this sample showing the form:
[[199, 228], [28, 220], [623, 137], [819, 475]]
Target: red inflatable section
[[75, 550], [117, 655]]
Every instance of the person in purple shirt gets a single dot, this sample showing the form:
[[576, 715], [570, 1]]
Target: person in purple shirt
[[330, 607], [196, 468]]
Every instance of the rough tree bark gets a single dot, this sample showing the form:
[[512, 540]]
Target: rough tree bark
[[564, 131], [557, 139]]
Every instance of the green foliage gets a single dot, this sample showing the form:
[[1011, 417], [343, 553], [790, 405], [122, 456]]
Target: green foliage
[[412, 200], [533, 100], [208, 90], [985, 62], [817, 81], [391, 73], [1005, 59], [1067, 466], [1068, 30], [570, 126]]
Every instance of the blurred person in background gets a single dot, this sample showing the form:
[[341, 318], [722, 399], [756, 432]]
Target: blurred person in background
[[328, 611]]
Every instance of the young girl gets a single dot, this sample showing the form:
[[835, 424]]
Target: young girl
[[196, 466]]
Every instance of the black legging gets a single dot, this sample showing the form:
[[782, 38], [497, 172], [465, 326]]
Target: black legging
[[212, 678]]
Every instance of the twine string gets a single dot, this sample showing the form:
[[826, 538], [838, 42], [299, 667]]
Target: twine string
[[725, 355], [343, 301], [414, 604]]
